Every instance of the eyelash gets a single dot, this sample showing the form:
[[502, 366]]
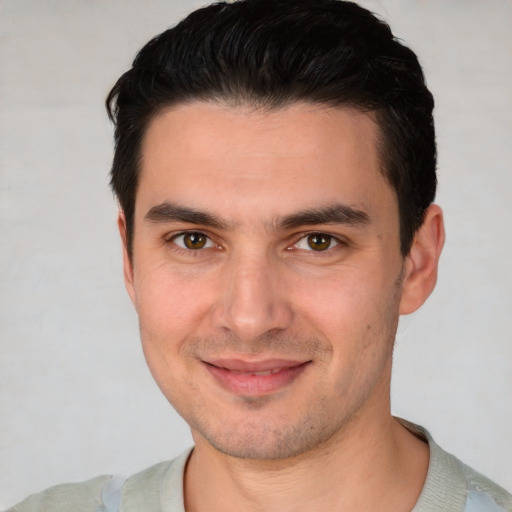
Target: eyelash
[[187, 250], [210, 243], [331, 241]]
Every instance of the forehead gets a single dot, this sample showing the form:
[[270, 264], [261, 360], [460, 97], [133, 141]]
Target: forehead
[[206, 152], [248, 130]]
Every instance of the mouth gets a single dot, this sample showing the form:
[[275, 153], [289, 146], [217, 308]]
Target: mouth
[[255, 378]]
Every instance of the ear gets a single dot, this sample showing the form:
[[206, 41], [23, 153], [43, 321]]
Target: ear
[[127, 260], [421, 263]]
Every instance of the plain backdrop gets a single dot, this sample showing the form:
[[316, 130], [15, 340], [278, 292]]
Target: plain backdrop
[[76, 398]]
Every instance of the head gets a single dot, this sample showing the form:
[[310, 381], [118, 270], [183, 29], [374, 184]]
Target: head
[[274, 165], [270, 54]]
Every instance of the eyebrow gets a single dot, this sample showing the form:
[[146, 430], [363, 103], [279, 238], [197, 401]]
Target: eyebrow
[[332, 214], [168, 212]]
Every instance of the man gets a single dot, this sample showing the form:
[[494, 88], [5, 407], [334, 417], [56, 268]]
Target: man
[[275, 169]]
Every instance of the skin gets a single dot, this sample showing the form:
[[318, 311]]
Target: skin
[[278, 279]]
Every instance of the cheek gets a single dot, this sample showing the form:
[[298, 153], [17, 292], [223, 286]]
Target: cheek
[[170, 310], [356, 312], [171, 306], [347, 298]]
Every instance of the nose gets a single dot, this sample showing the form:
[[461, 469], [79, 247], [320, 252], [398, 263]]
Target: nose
[[253, 301]]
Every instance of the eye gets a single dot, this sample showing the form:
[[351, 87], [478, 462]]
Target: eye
[[193, 240], [317, 242]]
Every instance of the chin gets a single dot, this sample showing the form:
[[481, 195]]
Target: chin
[[267, 442]]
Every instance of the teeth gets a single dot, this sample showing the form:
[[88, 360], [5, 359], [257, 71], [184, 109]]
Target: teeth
[[266, 372]]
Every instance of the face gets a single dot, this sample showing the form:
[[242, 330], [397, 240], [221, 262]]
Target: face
[[266, 273]]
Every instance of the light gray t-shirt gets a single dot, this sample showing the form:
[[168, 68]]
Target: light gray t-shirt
[[451, 486]]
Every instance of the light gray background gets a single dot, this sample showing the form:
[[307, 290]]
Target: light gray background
[[75, 396]]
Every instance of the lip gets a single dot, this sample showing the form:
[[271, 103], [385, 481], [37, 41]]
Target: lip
[[255, 378]]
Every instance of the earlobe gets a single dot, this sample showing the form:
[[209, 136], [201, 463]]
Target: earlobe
[[127, 260], [420, 269]]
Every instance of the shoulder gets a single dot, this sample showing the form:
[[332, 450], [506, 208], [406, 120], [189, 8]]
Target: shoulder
[[453, 486], [79, 497], [144, 491], [158, 488], [484, 494]]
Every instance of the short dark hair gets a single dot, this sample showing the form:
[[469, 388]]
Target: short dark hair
[[272, 53]]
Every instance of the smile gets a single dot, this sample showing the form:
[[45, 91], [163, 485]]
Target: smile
[[255, 378]]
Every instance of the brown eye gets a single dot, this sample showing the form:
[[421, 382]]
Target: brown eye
[[193, 240], [319, 241]]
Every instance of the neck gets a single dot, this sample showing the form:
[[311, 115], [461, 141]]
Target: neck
[[367, 466]]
